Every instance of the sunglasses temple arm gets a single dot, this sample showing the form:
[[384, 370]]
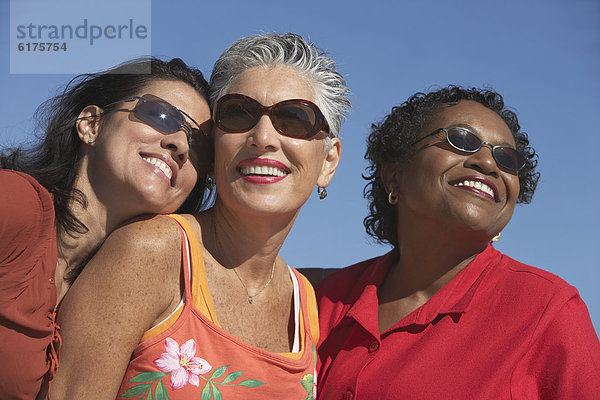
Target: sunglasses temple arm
[[188, 133], [127, 99], [191, 119], [426, 136]]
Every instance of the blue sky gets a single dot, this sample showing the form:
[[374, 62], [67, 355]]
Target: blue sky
[[543, 56]]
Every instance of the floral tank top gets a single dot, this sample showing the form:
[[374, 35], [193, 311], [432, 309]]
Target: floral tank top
[[194, 358]]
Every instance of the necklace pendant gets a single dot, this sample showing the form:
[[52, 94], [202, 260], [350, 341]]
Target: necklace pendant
[[250, 299]]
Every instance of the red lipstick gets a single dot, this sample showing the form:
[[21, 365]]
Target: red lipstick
[[262, 170]]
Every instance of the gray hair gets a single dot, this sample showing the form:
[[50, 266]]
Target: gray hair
[[273, 49]]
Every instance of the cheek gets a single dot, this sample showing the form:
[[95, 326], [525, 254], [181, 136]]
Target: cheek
[[225, 146], [308, 156], [190, 176], [513, 187]]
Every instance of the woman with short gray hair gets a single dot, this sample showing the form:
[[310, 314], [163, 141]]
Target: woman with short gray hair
[[211, 310], [272, 49]]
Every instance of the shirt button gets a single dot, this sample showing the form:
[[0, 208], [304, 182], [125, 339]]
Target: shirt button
[[51, 280], [374, 346], [348, 395]]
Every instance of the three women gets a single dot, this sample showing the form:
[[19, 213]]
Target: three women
[[206, 306]]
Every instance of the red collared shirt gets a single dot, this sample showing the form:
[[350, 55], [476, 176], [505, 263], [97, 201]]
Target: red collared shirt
[[498, 330]]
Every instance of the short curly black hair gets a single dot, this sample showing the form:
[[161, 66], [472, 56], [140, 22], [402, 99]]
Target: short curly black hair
[[392, 141]]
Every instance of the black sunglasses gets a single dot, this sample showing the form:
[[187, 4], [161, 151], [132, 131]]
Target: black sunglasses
[[464, 140], [161, 115], [297, 118]]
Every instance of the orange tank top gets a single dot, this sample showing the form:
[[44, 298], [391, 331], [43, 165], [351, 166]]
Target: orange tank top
[[194, 358]]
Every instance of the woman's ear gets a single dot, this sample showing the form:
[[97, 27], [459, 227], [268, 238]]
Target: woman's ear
[[391, 175], [88, 123], [330, 164]]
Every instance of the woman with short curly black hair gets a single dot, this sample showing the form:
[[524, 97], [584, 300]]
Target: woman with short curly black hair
[[444, 314]]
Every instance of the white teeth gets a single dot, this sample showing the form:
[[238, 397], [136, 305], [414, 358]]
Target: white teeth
[[262, 170], [477, 185], [161, 165]]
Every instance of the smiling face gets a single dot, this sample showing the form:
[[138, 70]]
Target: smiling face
[[457, 190], [262, 171], [139, 168]]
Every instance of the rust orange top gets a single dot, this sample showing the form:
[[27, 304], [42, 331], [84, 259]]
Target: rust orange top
[[190, 356]]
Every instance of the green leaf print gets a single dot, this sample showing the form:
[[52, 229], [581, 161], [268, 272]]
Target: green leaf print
[[161, 392], [219, 372], [232, 376], [149, 395], [216, 392], [135, 391], [251, 383], [307, 382], [206, 393], [146, 377]]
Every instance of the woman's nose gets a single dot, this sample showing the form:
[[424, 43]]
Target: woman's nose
[[264, 135], [483, 160], [178, 145]]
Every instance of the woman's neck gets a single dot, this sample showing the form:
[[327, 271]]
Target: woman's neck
[[75, 250], [430, 256], [243, 242]]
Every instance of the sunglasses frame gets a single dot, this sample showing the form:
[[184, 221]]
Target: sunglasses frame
[[319, 125], [143, 99], [520, 159]]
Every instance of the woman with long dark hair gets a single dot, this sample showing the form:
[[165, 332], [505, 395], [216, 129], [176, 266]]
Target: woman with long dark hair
[[116, 145]]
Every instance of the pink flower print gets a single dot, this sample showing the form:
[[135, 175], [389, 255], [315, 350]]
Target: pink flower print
[[182, 363]]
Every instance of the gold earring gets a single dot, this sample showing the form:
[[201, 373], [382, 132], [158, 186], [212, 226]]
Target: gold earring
[[497, 237], [392, 199], [210, 183], [322, 192]]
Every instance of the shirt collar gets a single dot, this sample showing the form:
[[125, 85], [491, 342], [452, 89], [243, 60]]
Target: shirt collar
[[454, 298], [364, 294]]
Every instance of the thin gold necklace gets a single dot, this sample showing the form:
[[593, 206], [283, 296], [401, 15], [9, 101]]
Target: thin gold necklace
[[252, 296]]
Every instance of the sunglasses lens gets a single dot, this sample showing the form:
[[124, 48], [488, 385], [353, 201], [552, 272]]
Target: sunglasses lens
[[295, 120], [238, 114], [159, 115], [463, 140], [508, 158]]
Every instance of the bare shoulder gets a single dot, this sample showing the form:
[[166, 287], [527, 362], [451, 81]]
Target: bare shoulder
[[144, 254], [148, 235], [131, 282], [139, 262]]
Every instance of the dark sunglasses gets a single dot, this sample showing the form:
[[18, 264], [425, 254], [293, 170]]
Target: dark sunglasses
[[297, 118], [161, 115], [464, 140]]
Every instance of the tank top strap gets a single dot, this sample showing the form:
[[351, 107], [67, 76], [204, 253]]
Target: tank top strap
[[196, 282], [303, 304], [185, 255]]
